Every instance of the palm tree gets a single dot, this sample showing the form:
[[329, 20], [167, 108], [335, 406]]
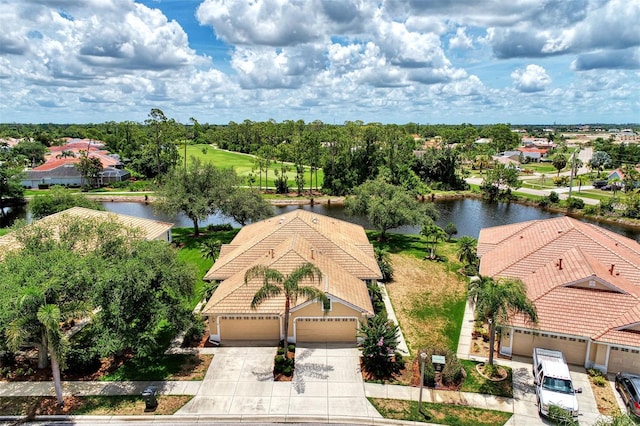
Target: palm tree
[[467, 250], [275, 283], [496, 300], [210, 248], [39, 321], [433, 233]]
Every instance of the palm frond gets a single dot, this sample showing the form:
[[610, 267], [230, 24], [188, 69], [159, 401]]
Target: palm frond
[[265, 292]]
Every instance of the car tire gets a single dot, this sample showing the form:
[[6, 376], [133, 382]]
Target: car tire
[[539, 407]]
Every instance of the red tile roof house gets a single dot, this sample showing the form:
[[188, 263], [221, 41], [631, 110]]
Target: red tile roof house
[[339, 249], [585, 283], [62, 171]]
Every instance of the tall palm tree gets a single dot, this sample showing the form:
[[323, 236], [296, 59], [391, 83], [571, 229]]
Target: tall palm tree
[[38, 320], [496, 300], [275, 283], [467, 250], [433, 233]]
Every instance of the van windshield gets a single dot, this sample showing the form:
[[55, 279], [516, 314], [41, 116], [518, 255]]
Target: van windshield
[[557, 385]]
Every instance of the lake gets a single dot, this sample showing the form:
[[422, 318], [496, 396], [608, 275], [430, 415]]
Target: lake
[[468, 214]]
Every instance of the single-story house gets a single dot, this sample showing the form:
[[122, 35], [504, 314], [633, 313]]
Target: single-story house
[[151, 229], [339, 249], [584, 282], [63, 171]]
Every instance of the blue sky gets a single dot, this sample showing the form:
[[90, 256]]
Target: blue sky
[[436, 61]]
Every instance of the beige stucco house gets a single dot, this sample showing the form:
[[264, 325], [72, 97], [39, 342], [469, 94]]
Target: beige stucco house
[[585, 283], [339, 249]]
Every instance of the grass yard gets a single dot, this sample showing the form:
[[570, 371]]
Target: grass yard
[[89, 405], [445, 414], [162, 367], [243, 164], [428, 296], [190, 252], [478, 384]]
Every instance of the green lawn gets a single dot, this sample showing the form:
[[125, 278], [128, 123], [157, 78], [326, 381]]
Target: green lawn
[[190, 253], [478, 384], [445, 414], [244, 164]]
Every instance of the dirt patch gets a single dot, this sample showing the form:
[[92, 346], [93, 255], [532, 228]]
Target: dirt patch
[[195, 368], [417, 286], [605, 399]]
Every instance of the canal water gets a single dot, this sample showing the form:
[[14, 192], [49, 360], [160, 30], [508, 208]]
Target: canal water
[[468, 214]]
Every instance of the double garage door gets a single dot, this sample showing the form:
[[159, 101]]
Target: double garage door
[[326, 329]]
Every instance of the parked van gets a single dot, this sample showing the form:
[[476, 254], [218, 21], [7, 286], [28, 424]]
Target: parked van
[[553, 382]]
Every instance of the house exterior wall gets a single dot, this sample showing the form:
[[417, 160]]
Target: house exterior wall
[[574, 348]]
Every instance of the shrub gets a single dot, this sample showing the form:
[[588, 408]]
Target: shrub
[[590, 210], [544, 201], [195, 330], [219, 227], [575, 203], [561, 181], [599, 381], [291, 348], [453, 372], [554, 197], [380, 340], [594, 372], [429, 374], [561, 417], [280, 351], [82, 360]]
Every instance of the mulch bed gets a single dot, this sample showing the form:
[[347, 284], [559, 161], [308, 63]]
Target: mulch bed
[[26, 370]]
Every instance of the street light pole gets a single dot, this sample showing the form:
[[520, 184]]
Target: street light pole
[[423, 358]]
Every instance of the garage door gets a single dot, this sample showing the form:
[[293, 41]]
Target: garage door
[[574, 349], [253, 328], [326, 329], [623, 359]]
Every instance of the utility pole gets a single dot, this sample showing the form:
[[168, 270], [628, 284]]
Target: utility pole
[[573, 165]]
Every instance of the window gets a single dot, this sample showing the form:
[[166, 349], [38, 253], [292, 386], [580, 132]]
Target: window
[[326, 305]]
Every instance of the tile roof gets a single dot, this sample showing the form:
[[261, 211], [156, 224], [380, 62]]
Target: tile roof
[[151, 229], [344, 242], [584, 280], [284, 243]]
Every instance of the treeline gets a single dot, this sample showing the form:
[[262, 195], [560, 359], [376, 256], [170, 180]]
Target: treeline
[[349, 154]]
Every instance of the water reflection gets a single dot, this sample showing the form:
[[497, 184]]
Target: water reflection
[[468, 214]]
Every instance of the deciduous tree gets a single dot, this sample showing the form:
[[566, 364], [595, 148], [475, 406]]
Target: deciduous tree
[[199, 191]]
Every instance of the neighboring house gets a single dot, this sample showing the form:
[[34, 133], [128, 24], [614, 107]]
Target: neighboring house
[[533, 154], [151, 229], [339, 249], [585, 283]]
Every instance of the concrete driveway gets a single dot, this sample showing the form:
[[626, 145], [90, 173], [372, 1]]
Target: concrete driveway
[[525, 408], [326, 383]]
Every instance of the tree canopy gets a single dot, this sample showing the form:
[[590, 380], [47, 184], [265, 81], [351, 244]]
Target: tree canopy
[[199, 191], [64, 269], [387, 206]]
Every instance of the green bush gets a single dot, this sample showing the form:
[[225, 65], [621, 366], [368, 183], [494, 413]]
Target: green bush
[[291, 348], [575, 203], [590, 210], [544, 201], [599, 381], [554, 197], [594, 372], [219, 227], [453, 372], [429, 374], [561, 417], [280, 351]]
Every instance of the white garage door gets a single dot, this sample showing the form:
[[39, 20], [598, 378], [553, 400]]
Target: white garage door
[[574, 349]]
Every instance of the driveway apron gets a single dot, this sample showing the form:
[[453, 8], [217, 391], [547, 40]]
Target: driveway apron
[[326, 382]]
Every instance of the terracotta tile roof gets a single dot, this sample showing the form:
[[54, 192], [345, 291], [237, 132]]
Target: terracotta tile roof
[[339, 249], [151, 229], [344, 242], [584, 280]]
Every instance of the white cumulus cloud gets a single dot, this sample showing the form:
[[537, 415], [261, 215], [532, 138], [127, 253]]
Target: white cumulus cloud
[[533, 78]]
